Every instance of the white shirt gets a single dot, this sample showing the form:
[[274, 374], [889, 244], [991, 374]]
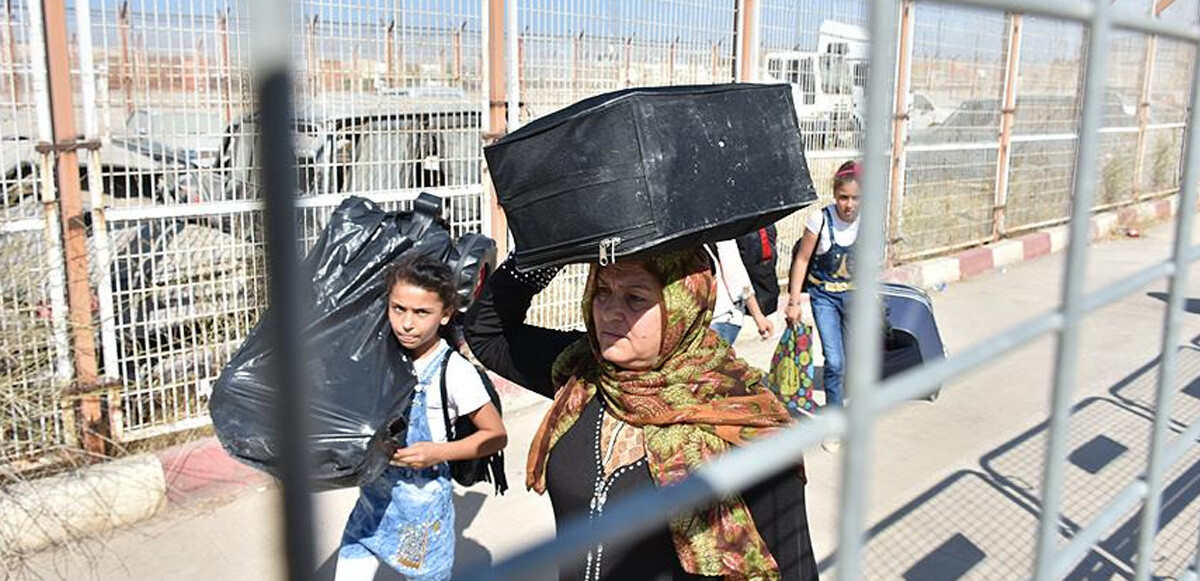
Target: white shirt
[[844, 232], [733, 283], [463, 387]]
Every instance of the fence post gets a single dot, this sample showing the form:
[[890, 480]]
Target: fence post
[[746, 48], [576, 49], [671, 50], [1012, 74], [458, 55], [226, 66], [311, 58], [79, 292], [10, 53], [900, 128], [100, 239], [628, 62], [126, 65], [1143, 116], [494, 57]]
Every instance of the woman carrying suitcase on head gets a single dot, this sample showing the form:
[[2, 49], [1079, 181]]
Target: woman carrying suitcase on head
[[643, 397], [823, 267]]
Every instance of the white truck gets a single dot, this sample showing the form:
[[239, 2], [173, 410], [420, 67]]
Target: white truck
[[828, 84]]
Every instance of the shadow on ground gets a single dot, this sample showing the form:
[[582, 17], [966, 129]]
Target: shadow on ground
[[983, 523]]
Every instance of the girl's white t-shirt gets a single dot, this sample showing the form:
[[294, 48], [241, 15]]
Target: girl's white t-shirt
[[844, 232], [463, 387]]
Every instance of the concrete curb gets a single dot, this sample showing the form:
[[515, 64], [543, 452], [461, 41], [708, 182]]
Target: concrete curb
[[937, 272], [85, 502], [56, 509]]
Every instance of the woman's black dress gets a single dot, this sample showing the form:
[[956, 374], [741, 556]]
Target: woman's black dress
[[500, 339]]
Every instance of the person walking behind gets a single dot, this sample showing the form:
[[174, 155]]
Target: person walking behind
[[823, 267]]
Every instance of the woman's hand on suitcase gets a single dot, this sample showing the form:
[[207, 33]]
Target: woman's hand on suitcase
[[419, 455]]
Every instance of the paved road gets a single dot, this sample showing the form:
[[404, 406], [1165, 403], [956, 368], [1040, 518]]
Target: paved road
[[953, 485]]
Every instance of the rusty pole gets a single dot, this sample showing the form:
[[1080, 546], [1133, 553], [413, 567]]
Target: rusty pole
[[126, 75], [497, 115], [10, 52], [1012, 77], [310, 46], [900, 128], [747, 24], [458, 54], [576, 50], [628, 65], [79, 292], [389, 57], [226, 66]]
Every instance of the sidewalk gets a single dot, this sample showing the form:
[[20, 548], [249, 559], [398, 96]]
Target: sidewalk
[[918, 449]]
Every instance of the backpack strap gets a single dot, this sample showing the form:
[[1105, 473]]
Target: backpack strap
[[446, 397], [820, 231]]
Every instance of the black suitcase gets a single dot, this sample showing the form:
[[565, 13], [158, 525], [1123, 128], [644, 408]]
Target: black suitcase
[[656, 168], [914, 337]]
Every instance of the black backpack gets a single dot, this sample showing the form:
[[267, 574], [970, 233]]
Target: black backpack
[[488, 468], [759, 256]]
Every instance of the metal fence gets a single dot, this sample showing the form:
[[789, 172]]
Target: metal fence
[[397, 97]]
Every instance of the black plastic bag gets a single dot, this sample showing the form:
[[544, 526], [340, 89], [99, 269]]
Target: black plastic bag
[[361, 384]]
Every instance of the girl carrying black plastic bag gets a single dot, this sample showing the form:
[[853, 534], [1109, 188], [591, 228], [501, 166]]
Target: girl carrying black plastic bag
[[405, 518]]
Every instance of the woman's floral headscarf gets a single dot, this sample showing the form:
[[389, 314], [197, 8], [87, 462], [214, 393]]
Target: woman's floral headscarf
[[695, 403]]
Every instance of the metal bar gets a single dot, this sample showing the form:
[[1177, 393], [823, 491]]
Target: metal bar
[[95, 186], [511, 28], [901, 258], [1066, 355], [1085, 11], [1131, 284], [1143, 116], [22, 225], [273, 89], [838, 154], [1012, 71], [1184, 216], [1047, 137], [226, 65], [1077, 10], [637, 514], [1160, 126], [1133, 22], [51, 225], [900, 128], [865, 341], [1083, 541], [496, 119], [10, 53], [1184, 443], [79, 293], [125, 64], [236, 206], [953, 147], [923, 380]]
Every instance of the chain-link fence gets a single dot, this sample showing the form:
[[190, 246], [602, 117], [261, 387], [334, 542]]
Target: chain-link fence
[[393, 97]]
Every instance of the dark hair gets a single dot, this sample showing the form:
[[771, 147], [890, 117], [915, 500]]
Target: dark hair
[[424, 272], [846, 173]]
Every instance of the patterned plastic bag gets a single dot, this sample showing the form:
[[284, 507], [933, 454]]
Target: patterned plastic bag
[[792, 370]]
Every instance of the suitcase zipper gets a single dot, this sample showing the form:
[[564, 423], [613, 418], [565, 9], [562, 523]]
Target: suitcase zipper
[[612, 243]]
